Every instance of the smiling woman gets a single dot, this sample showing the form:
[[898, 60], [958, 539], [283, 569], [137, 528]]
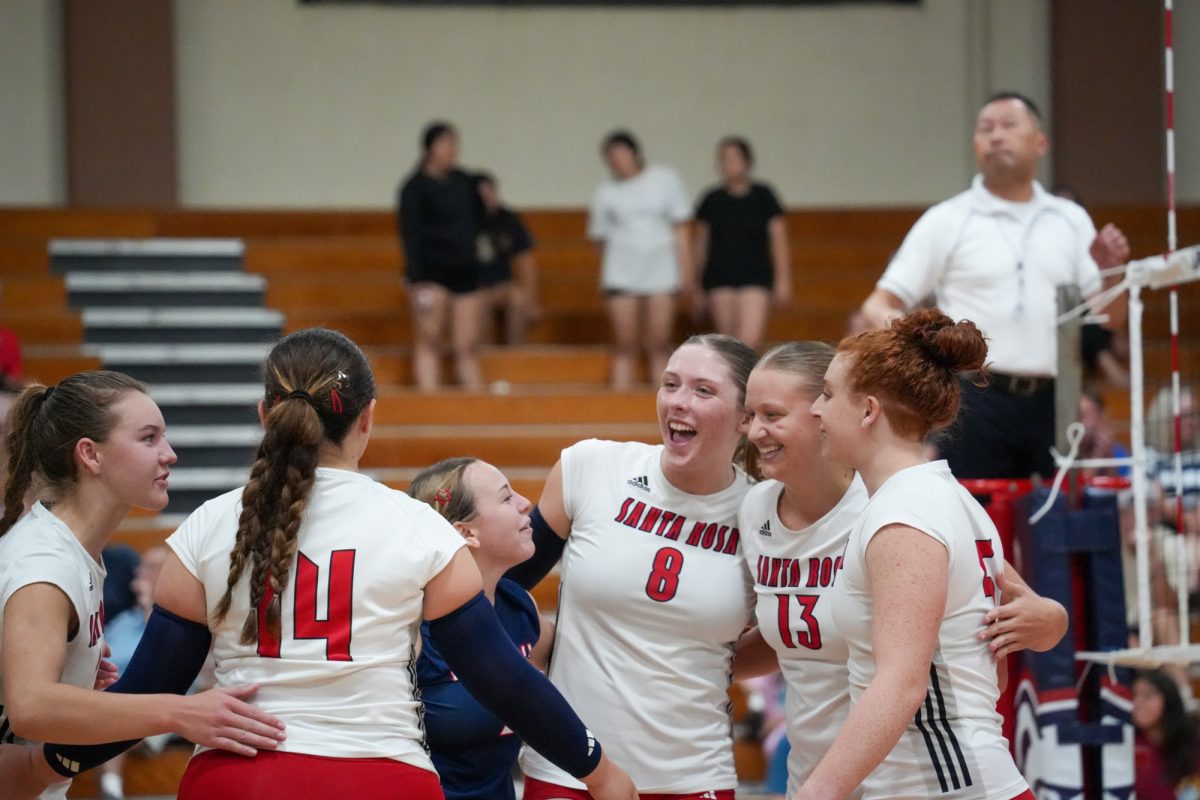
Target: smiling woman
[[654, 590], [84, 452]]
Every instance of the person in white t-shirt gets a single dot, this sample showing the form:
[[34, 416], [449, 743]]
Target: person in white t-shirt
[[995, 254], [654, 590], [795, 525], [85, 452], [919, 575], [640, 215], [314, 579]]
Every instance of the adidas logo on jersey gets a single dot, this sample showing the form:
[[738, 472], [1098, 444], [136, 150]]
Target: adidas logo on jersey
[[765, 530], [641, 481]]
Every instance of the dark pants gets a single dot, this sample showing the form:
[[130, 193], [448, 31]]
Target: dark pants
[[1001, 433]]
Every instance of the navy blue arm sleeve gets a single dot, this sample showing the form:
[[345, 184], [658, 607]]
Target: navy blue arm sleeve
[[167, 660], [491, 668], [548, 549]]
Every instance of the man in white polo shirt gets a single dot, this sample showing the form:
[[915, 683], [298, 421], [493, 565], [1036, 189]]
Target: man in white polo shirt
[[995, 254]]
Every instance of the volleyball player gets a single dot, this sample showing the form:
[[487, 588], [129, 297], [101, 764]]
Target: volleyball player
[[87, 451], [473, 750], [313, 580], [918, 577], [795, 525], [654, 590]]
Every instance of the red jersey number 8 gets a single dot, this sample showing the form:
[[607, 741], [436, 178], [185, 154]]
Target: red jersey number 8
[[663, 582]]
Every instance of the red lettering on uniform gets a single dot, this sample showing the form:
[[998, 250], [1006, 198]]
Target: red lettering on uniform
[[624, 509], [793, 578], [697, 531], [335, 628], [676, 529], [731, 544], [814, 569], [826, 571], [773, 578], [985, 549], [651, 517], [96, 626], [635, 516], [709, 537]]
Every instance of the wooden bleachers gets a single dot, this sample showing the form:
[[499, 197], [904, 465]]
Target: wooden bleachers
[[343, 269]]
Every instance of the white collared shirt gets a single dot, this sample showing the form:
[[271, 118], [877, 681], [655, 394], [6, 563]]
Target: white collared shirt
[[998, 264]]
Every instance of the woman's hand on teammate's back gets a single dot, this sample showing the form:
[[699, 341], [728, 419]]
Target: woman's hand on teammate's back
[[221, 719], [609, 782], [106, 672]]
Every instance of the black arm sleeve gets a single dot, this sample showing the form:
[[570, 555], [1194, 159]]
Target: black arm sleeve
[[489, 665], [548, 549], [412, 229], [167, 660]]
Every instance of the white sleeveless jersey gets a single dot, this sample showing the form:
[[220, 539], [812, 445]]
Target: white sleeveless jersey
[[342, 676], [794, 574], [40, 548], [654, 595], [953, 748]]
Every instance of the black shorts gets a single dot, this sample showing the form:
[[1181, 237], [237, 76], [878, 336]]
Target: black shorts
[[739, 277], [494, 273], [458, 280]]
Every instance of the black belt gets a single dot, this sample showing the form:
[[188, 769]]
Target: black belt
[[1019, 385]]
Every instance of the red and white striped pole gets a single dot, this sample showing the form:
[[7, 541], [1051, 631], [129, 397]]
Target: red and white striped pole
[[1172, 244]]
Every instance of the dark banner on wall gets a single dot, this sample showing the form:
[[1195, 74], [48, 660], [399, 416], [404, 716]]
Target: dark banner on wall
[[611, 3]]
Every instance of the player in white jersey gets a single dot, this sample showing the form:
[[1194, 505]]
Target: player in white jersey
[[654, 591], [795, 526], [85, 453], [918, 578], [313, 581]]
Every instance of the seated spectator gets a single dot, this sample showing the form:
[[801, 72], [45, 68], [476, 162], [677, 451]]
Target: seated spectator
[[1165, 745], [1099, 439], [505, 252]]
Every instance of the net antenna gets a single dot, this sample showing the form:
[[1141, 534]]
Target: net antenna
[[1174, 267]]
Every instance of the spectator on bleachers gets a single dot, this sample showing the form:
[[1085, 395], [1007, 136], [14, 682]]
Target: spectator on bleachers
[[508, 271], [1099, 439], [741, 249], [995, 254], [640, 215], [439, 218], [1166, 744]]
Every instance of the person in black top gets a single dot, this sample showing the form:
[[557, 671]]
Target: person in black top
[[439, 218], [506, 251], [741, 247]]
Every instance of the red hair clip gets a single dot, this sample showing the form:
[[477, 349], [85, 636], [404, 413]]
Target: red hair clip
[[442, 497]]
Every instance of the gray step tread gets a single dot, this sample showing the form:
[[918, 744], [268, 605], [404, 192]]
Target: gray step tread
[[179, 353], [164, 281], [229, 394], [189, 317], [150, 248]]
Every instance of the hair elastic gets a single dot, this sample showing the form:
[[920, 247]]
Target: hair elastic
[[443, 497]]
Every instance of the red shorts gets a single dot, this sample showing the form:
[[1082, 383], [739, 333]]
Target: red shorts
[[272, 775], [541, 790]]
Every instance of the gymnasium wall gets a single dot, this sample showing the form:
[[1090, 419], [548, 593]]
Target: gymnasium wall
[[288, 105]]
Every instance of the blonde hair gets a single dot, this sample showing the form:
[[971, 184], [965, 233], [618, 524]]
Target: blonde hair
[[444, 487]]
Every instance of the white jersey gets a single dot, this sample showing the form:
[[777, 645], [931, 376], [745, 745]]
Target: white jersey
[[794, 573], [40, 548], [636, 219], [654, 595], [342, 677], [953, 747]]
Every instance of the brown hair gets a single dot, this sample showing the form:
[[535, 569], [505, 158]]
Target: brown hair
[[44, 425], [740, 359], [317, 384], [912, 367], [444, 487]]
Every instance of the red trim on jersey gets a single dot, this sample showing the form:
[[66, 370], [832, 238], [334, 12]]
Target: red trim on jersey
[[275, 776], [542, 790], [1026, 795]]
